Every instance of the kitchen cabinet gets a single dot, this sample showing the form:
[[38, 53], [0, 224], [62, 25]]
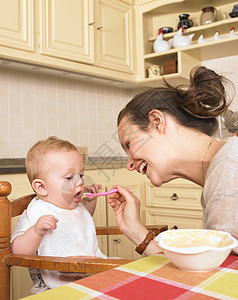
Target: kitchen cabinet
[[112, 39], [153, 15], [66, 29], [140, 2], [65, 38], [98, 33], [114, 35], [128, 1], [176, 204], [16, 24]]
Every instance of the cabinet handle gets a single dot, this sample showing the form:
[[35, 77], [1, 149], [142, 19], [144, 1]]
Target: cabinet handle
[[92, 23], [100, 27], [118, 241], [174, 197], [174, 227]]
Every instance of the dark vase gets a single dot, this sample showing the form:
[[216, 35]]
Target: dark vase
[[184, 21]]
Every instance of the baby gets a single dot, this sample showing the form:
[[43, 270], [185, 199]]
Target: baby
[[58, 221]]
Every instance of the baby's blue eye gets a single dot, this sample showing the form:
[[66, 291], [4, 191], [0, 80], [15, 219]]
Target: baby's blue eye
[[82, 175], [69, 178]]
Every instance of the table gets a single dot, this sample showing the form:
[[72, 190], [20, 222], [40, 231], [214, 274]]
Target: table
[[153, 277]]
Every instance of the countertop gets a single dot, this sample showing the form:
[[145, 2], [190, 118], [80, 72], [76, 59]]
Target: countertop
[[17, 165]]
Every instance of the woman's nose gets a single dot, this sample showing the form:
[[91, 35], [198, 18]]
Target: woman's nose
[[130, 165]]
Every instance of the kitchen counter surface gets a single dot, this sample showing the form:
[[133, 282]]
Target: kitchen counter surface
[[17, 165]]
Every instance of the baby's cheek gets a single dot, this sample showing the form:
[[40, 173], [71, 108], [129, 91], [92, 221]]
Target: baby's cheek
[[67, 187]]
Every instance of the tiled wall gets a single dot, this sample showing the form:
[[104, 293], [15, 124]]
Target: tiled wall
[[35, 106]]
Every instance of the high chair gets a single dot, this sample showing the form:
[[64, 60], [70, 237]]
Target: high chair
[[10, 209]]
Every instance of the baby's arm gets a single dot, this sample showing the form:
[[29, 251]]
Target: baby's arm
[[90, 202], [29, 241]]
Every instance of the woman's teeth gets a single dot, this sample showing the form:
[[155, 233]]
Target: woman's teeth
[[143, 167]]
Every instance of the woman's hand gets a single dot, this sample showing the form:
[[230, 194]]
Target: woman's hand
[[126, 207]]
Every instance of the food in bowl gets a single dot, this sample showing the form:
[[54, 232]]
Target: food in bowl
[[196, 250]]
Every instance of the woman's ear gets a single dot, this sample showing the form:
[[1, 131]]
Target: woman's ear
[[157, 120], [39, 187]]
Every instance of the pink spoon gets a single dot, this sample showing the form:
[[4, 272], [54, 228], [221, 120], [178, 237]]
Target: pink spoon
[[100, 194]]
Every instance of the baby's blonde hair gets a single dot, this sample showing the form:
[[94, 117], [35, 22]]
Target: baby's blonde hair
[[35, 156]]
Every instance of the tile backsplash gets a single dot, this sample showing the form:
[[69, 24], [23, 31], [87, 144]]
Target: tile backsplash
[[35, 106]]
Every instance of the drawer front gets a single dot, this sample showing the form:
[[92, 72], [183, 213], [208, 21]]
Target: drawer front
[[180, 219], [176, 194]]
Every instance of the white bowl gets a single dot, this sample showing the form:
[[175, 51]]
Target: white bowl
[[196, 250]]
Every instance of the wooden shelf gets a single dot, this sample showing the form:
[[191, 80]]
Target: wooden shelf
[[224, 47], [176, 79], [222, 24], [166, 14]]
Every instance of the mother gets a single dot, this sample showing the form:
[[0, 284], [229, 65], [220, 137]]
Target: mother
[[166, 133]]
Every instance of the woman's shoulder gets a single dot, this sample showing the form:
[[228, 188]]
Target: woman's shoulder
[[227, 154], [231, 148]]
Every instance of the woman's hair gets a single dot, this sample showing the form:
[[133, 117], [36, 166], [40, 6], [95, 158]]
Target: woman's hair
[[35, 157], [194, 106]]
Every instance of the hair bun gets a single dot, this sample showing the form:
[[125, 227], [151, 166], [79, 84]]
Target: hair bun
[[205, 97]]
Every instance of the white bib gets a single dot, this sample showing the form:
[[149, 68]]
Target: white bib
[[75, 235]]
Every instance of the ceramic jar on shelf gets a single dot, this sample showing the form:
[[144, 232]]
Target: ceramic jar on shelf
[[184, 21], [208, 15]]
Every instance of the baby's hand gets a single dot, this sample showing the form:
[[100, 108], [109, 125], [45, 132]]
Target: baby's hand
[[45, 223], [92, 189]]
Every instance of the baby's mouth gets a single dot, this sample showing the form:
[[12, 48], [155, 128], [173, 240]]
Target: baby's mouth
[[143, 167], [77, 197]]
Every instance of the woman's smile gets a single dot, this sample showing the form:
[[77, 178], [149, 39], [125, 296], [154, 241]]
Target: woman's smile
[[142, 168]]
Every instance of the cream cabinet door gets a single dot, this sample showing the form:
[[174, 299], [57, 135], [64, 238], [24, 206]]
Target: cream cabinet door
[[16, 24], [114, 35], [66, 29]]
